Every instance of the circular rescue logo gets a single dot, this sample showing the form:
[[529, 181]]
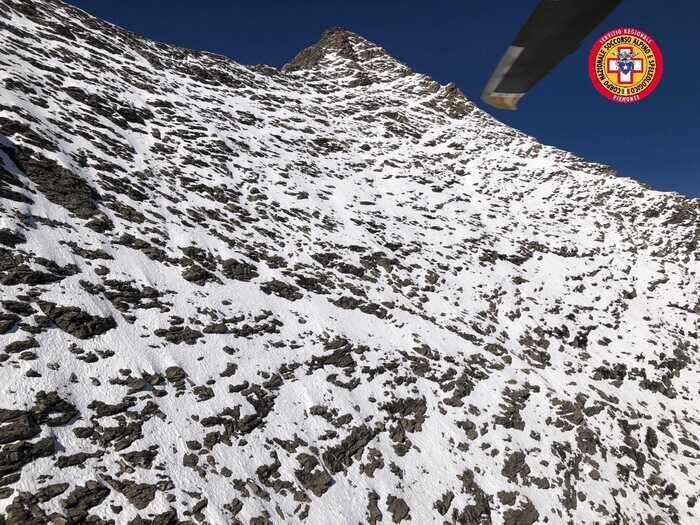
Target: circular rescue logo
[[625, 65]]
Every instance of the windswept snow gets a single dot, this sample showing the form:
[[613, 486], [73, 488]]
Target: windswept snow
[[333, 294]]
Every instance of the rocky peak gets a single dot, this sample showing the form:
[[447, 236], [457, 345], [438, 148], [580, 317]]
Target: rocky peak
[[342, 58], [340, 48]]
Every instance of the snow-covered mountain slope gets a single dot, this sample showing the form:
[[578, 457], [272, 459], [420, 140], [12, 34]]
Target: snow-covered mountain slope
[[334, 294]]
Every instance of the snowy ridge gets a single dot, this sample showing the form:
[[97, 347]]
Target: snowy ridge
[[336, 293]]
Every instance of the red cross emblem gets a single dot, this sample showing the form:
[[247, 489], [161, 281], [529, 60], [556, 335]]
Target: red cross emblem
[[625, 65]]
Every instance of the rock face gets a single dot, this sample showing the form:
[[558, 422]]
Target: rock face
[[76, 322], [332, 293]]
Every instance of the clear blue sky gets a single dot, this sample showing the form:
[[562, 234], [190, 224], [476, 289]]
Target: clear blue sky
[[656, 141]]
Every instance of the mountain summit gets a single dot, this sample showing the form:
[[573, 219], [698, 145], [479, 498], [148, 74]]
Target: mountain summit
[[338, 44], [335, 293]]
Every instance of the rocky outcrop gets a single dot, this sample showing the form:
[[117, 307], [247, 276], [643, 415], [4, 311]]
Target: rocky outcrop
[[75, 321]]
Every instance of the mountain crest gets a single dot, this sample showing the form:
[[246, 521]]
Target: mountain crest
[[341, 47]]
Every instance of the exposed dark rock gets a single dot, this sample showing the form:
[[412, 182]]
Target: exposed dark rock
[[23, 274], [58, 184], [18, 307], [75, 321], [82, 499], [281, 289], [443, 504], [374, 514], [526, 515], [198, 275], [139, 495], [240, 271], [478, 510], [10, 238], [515, 467], [312, 475], [20, 346], [75, 459], [141, 458], [7, 322], [341, 456], [515, 401], [179, 334], [398, 508], [14, 456]]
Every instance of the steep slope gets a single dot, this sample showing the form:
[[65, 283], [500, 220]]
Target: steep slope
[[331, 294]]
